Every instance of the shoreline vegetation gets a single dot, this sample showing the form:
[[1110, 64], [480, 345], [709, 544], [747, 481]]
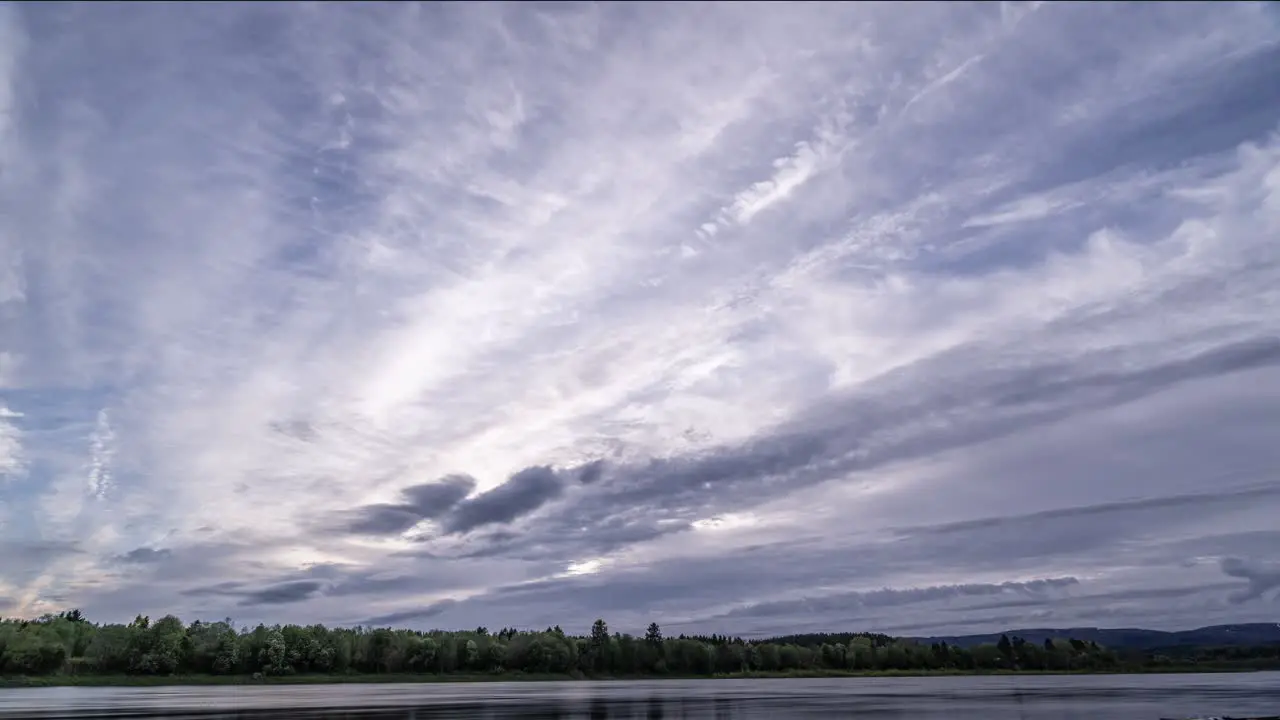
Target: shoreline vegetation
[[68, 650], [40, 681]]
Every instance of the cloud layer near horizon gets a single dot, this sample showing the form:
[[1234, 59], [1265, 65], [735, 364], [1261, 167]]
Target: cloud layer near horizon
[[743, 318]]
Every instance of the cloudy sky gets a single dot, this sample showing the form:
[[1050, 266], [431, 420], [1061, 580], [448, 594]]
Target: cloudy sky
[[743, 318]]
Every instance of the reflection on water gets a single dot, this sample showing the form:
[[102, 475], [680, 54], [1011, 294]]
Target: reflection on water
[[1130, 697], [595, 709]]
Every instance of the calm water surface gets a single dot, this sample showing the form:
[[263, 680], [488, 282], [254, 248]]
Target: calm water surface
[[1076, 697]]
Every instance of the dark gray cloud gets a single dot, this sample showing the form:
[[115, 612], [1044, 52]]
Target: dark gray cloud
[[266, 590], [843, 602], [1051, 382], [437, 498], [399, 618], [520, 495], [228, 587], [283, 593], [590, 472], [1086, 511], [1091, 601], [1225, 544], [1262, 577], [1076, 529], [446, 499], [421, 502], [144, 555]]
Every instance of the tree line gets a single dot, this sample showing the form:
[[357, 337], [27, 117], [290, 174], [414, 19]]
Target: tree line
[[68, 644]]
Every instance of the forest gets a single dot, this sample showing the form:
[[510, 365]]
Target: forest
[[69, 645]]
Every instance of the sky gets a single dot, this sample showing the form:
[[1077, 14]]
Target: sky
[[745, 318]]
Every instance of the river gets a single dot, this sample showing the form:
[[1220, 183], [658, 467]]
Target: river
[[1040, 697]]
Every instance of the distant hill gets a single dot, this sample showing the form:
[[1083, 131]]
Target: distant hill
[[1134, 638]]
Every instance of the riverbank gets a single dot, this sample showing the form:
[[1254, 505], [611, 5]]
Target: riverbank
[[21, 681]]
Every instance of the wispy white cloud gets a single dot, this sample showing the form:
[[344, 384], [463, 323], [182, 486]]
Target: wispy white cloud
[[101, 451], [790, 172], [946, 79], [10, 444], [408, 241]]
